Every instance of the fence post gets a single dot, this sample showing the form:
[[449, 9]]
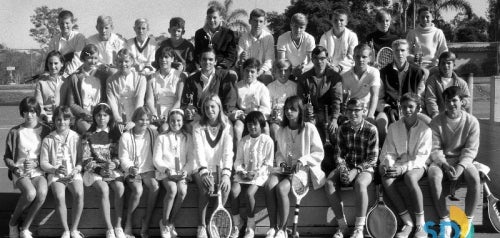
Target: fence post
[[470, 84], [495, 99]]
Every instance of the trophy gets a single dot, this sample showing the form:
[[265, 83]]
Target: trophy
[[25, 172], [309, 109], [276, 111], [191, 109], [63, 161], [178, 174], [137, 177]]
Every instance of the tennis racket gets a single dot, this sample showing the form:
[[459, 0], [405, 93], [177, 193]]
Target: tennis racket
[[493, 212], [384, 57], [381, 221], [299, 190], [220, 223], [327, 164]]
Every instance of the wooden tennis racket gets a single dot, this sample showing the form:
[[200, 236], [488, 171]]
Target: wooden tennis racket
[[381, 221], [299, 190], [384, 57], [493, 212], [220, 223]]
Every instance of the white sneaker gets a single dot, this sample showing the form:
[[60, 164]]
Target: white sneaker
[[202, 232], [173, 232], [119, 233], [66, 234], [110, 233], [235, 232], [447, 232], [164, 230], [76, 234], [341, 231], [281, 234], [271, 233], [25, 234], [358, 233], [249, 233], [13, 231]]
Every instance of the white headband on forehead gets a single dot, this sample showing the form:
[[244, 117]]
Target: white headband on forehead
[[176, 110]]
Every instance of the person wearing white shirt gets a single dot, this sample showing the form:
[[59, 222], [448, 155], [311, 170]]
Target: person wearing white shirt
[[69, 42], [406, 150], [259, 44], [296, 45], [340, 42], [362, 80], [142, 47], [108, 42], [213, 145], [279, 90], [253, 95]]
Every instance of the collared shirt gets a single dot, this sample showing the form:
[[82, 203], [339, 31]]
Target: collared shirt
[[253, 96], [207, 79], [360, 87], [357, 147], [90, 91], [261, 48], [107, 49], [296, 54], [74, 44]]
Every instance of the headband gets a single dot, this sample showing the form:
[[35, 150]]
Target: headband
[[176, 110]]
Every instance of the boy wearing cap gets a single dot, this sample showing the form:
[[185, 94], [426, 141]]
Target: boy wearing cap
[[455, 143], [355, 154], [438, 82], [296, 45], [106, 41], [403, 159], [340, 42]]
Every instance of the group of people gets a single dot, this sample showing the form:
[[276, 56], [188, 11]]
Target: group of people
[[109, 113]]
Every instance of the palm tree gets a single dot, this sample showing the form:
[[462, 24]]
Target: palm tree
[[235, 20]]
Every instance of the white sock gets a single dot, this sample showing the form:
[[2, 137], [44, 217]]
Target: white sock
[[360, 222], [470, 219], [405, 216], [419, 219]]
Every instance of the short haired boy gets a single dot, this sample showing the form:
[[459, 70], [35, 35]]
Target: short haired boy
[[455, 143], [296, 45], [324, 88], [355, 154], [382, 36], [142, 47], [69, 42], [184, 49], [214, 35], [258, 43], [279, 90], [403, 158], [438, 82], [108, 42], [340, 42], [429, 38]]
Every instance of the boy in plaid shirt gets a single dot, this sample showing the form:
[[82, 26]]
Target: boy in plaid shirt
[[355, 154]]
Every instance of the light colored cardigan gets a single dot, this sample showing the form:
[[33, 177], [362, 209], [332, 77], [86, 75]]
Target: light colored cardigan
[[311, 151], [48, 151], [416, 144]]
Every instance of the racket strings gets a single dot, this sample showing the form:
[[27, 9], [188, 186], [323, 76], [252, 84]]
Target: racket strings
[[384, 57], [221, 222], [298, 186]]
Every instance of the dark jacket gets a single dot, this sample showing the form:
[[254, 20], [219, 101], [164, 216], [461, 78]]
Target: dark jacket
[[223, 42], [222, 84], [330, 94], [75, 100], [390, 80]]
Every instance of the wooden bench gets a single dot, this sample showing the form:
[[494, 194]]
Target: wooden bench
[[316, 215]]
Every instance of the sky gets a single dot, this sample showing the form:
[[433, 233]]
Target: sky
[[15, 15]]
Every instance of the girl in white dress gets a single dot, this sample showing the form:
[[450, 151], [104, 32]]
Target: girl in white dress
[[125, 89], [136, 156], [59, 158], [165, 86], [174, 162], [254, 158]]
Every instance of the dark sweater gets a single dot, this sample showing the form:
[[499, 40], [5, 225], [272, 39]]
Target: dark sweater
[[390, 80], [223, 42], [222, 84], [381, 39], [184, 54]]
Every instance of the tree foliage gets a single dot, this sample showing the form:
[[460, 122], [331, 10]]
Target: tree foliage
[[473, 29], [45, 24]]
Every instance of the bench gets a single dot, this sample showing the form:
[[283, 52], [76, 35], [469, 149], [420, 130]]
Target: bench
[[316, 216]]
